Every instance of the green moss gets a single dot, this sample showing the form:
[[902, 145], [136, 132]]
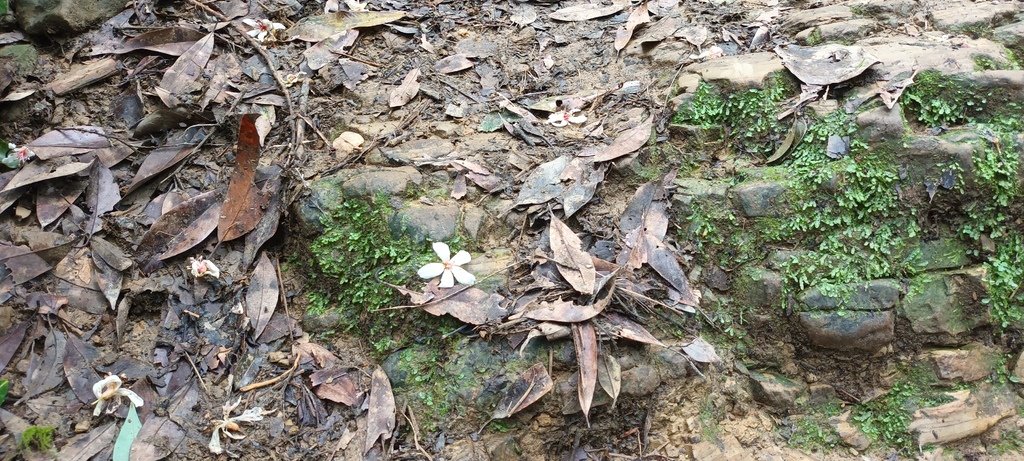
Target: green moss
[[815, 38], [1010, 441], [747, 118], [814, 432], [936, 99], [37, 438], [984, 62], [886, 419]]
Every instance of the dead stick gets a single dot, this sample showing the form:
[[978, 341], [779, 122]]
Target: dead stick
[[198, 376], [276, 379]]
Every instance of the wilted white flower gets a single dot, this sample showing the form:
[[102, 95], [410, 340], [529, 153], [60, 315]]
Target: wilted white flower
[[109, 390], [354, 5], [17, 156], [263, 29], [448, 268], [203, 268], [563, 118], [292, 79], [229, 425]]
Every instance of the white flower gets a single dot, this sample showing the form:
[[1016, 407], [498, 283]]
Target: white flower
[[354, 5], [109, 389], [292, 79], [563, 118], [17, 156], [203, 268], [229, 425], [448, 268], [263, 29]]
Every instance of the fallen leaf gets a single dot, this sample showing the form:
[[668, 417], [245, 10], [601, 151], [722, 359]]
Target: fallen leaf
[[45, 370], [627, 142], [159, 160], [406, 91], [638, 16], [453, 63], [103, 194], [22, 262], [587, 11], [69, 141], [176, 231], [78, 367], [528, 388], [575, 265], [380, 418], [10, 342], [701, 351], [544, 182], [825, 64], [180, 78], [471, 305], [793, 137], [269, 179], [319, 27], [34, 172], [84, 446], [129, 431], [55, 198], [625, 328], [562, 311], [337, 385], [262, 295], [172, 41], [108, 279], [609, 375], [242, 209], [159, 438], [584, 338]]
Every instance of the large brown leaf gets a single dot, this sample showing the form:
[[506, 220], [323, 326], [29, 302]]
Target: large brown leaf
[[55, 198], [638, 16], [337, 385], [406, 91], [69, 141], [320, 27], [584, 337], [180, 78], [158, 161], [45, 368], [575, 265], [528, 388], [267, 227], [179, 229], [242, 209], [10, 342], [78, 367], [85, 446], [472, 305], [33, 172], [173, 41], [627, 142], [262, 295], [380, 419]]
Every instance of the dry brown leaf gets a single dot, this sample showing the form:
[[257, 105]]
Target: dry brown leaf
[[584, 337], [587, 11], [262, 295], [33, 172], [638, 16], [380, 418], [337, 385], [627, 142], [242, 209], [406, 91], [320, 27], [627, 329], [69, 141], [609, 375], [528, 388], [563, 311], [175, 226], [173, 41], [471, 305], [575, 265], [701, 351], [453, 63], [180, 78]]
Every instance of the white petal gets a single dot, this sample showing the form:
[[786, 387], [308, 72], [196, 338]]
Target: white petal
[[278, 26], [462, 276], [99, 387], [132, 396], [442, 251], [98, 408], [250, 22], [430, 270], [238, 436], [254, 33], [559, 123], [251, 415], [262, 35], [578, 118], [214, 445], [11, 146], [447, 280], [462, 257]]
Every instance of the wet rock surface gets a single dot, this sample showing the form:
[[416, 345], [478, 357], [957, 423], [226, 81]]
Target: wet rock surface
[[61, 17]]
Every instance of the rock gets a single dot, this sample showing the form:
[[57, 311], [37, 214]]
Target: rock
[[422, 222], [672, 364], [1010, 81], [874, 295], [851, 330], [740, 71], [366, 181], [640, 380], [821, 394], [56, 18], [688, 83], [495, 263], [729, 449], [776, 390], [947, 303], [850, 434], [419, 149], [1010, 35], [1018, 368], [23, 55], [347, 142], [970, 363], [927, 158], [473, 220], [884, 9], [969, 414], [758, 287], [801, 19], [899, 54], [690, 191], [971, 17], [882, 124], [843, 31], [942, 253], [760, 198]]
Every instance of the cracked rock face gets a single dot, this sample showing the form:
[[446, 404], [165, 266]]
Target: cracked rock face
[[60, 17]]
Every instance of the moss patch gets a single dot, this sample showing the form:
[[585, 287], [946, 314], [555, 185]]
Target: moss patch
[[37, 438], [886, 419]]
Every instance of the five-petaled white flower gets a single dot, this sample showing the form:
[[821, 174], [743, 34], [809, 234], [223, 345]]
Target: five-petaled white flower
[[563, 118], [203, 268], [229, 425], [16, 156], [109, 390], [448, 268], [263, 29]]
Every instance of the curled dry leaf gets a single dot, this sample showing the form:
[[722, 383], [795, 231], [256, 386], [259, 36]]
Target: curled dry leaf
[[825, 64], [242, 208], [628, 142], [638, 16], [262, 295], [471, 305], [575, 265], [528, 388], [453, 63], [584, 337], [609, 375], [380, 419], [406, 91]]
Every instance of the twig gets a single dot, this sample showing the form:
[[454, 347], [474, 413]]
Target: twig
[[276, 379], [284, 297], [411, 418], [198, 376]]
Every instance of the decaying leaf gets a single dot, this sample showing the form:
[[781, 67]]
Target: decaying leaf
[[628, 142], [380, 419], [34, 172], [638, 16], [406, 91], [575, 265], [825, 64], [453, 63], [78, 367], [701, 351], [584, 338], [528, 388], [587, 11], [262, 295], [609, 375], [69, 141], [45, 369], [242, 209], [319, 27], [472, 305], [173, 41], [625, 328], [85, 446], [563, 311], [180, 78], [179, 229], [337, 385]]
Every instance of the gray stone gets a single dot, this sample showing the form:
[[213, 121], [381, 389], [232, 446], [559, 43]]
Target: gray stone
[[971, 413], [849, 330], [969, 363], [327, 192], [422, 222], [942, 253], [1010, 81], [884, 9], [419, 149], [1011, 35], [740, 71], [690, 191], [473, 220], [640, 380], [851, 434], [23, 55], [491, 269], [821, 394], [927, 158], [800, 19], [964, 16], [899, 54], [874, 295], [776, 390], [882, 124], [61, 17], [671, 363], [843, 31], [758, 287], [760, 198], [947, 303]]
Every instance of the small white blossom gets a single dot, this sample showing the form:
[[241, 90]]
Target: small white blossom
[[109, 390], [17, 156], [563, 118], [354, 5], [292, 79], [264, 29], [203, 268], [229, 425], [448, 268]]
